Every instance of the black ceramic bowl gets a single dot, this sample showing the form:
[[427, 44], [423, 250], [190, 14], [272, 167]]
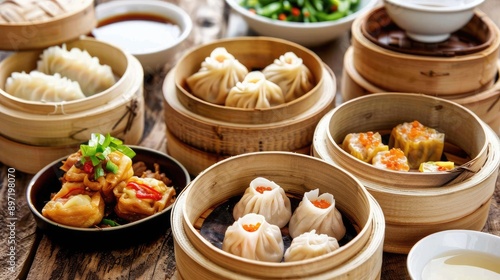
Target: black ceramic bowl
[[46, 181]]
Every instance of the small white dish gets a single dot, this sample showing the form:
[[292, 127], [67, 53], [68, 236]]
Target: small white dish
[[453, 254], [151, 30], [431, 21]]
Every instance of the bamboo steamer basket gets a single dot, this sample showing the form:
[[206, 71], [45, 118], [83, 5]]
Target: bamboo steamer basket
[[196, 160], [413, 213], [53, 30], [196, 258], [228, 138], [440, 74], [254, 58], [117, 110], [485, 104], [383, 111], [29, 141]]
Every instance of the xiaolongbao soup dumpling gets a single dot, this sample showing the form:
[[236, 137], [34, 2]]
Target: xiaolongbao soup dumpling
[[309, 245], [317, 212], [291, 75], [252, 237], [255, 91], [37, 86], [218, 74], [77, 65], [266, 198]]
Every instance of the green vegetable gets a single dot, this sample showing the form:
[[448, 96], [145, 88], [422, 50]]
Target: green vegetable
[[97, 150], [109, 222], [302, 10]]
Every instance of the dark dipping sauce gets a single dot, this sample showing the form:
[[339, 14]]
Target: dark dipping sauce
[[137, 33]]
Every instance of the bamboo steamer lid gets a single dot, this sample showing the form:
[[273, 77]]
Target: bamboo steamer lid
[[446, 75], [244, 50], [484, 104], [226, 138], [31, 24], [196, 257], [412, 213], [116, 110]]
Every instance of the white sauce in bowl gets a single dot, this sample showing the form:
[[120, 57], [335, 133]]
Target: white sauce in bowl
[[463, 264]]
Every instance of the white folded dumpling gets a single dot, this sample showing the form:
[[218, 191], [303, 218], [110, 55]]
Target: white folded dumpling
[[266, 198], [252, 237], [291, 75], [317, 212], [77, 65], [309, 245], [255, 91], [218, 74], [37, 86]]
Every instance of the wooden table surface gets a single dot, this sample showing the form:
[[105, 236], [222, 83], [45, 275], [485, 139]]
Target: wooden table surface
[[35, 256]]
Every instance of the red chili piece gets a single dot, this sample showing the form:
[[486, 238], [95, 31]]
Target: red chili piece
[[144, 191]]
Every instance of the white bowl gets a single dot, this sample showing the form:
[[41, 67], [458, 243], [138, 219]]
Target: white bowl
[[430, 21], [468, 243], [161, 44], [306, 34]]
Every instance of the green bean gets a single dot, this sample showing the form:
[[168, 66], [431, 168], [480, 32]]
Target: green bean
[[270, 9]]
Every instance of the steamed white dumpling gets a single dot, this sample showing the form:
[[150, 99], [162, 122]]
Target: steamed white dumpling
[[266, 198], [255, 91], [37, 86], [291, 75], [77, 65], [309, 245], [317, 212], [252, 237], [218, 74]]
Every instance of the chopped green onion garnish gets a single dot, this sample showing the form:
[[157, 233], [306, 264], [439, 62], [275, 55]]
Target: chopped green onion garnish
[[98, 149]]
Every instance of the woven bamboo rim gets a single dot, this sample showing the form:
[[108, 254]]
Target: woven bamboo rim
[[438, 76], [383, 111], [122, 117], [243, 48], [26, 61], [196, 160], [228, 138], [484, 104], [42, 34], [221, 264], [425, 205]]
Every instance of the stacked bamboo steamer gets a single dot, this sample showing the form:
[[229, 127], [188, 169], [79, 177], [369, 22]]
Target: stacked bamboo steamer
[[464, 69], [197, 257], [34, 133], [418, 204], [200, 133]]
